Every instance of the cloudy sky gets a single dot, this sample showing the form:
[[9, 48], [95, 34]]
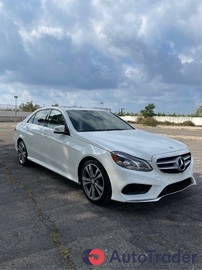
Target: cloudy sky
[[123, 53]]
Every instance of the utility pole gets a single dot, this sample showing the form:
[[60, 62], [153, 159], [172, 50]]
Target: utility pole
[[16, 97]]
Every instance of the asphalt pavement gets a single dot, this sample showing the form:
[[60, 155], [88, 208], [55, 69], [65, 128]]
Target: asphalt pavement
[[46, 221]]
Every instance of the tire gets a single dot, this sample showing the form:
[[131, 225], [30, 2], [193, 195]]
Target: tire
[[22, 153], [95, 182]]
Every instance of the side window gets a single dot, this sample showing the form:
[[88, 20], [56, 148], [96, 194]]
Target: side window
[[41, 117], [55, 119], [31, 119]]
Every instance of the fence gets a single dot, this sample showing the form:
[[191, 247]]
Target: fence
[[12, 115], [7, 107], [197, 121]]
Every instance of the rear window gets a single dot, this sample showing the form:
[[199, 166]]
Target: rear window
[[40, 118]]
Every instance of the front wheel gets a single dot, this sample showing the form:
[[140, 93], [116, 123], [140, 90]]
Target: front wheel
[[22, 153], [95, 182]]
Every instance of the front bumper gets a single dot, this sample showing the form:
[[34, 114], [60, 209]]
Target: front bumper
[[160, 184]]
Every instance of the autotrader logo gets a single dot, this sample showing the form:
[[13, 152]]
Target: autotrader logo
[[97, 257], [93, 256]]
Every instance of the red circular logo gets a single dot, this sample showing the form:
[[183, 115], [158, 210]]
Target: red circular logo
[[93, 256]]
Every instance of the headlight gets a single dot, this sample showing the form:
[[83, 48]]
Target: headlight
[[129, 162]]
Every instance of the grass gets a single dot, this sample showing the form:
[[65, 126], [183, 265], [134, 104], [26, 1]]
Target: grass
[[150, 121]]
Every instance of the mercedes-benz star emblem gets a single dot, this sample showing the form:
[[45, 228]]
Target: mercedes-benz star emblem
[[180, 163]]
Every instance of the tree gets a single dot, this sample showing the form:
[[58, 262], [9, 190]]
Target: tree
[[55, 105], [199, 111], [148, 110], [29, 106]]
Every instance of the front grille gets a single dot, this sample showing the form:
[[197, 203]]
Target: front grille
[[175, 187], [174, 164]]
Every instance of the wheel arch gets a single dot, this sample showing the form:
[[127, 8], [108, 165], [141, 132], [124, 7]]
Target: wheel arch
[[82, 162], [19, 140], [25, 160], [88, 158]]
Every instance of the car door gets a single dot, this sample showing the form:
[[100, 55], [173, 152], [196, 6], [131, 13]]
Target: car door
[[56, 146], [33, 134]]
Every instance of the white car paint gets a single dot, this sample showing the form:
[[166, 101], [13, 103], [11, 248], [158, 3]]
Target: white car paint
[[63, 153], [135, 142]]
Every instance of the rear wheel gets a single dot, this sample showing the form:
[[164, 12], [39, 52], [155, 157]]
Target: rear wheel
[[22, 153], [95, 182]]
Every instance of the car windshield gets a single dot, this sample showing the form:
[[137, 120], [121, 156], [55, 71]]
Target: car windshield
[[89, 120]]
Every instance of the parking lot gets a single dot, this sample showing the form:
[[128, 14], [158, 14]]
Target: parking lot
[[47, 223]]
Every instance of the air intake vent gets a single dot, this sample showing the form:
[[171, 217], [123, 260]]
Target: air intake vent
[[175, 164], [176, 187]]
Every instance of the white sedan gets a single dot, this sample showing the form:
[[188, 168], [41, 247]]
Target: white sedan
[[103, 153]]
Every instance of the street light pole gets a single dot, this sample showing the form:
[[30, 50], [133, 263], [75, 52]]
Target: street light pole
[[16, 97]]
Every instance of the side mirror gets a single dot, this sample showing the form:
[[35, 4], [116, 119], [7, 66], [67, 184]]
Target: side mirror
[[60, 130]]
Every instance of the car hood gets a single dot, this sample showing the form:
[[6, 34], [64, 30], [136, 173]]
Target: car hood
[[135, 142]]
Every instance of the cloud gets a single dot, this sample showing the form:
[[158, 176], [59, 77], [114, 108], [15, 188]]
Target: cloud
[[96, 51]]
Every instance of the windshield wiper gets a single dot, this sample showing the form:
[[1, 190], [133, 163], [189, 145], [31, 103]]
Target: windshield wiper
[[111, 129], [94, 130]]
